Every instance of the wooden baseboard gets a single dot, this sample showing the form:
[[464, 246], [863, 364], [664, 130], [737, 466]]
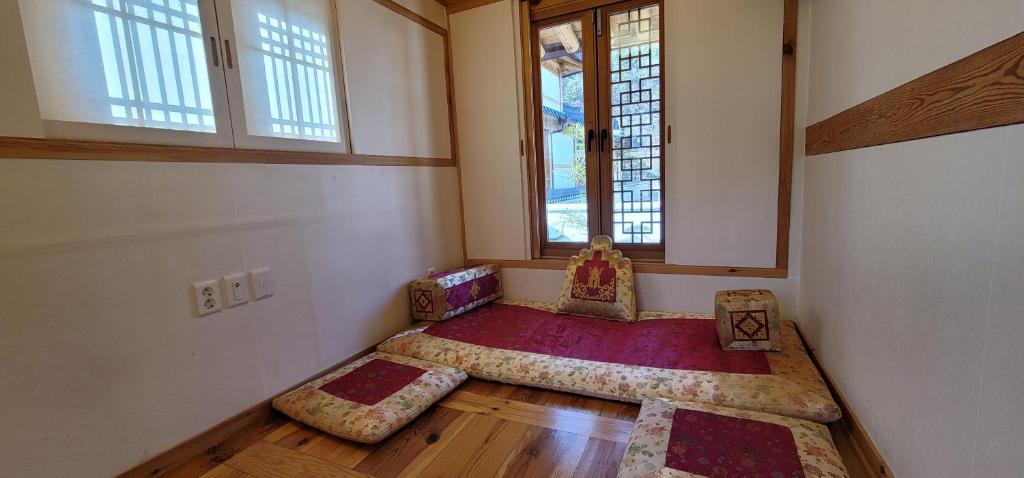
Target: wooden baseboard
[[197, 445], [866, 450]]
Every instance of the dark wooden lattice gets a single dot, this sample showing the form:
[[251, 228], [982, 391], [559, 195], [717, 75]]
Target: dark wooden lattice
[[636, 126]]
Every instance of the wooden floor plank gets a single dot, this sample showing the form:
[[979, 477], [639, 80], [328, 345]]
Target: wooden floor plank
[[265, 460], [547, 452], [571, 421], [391, 456], [600, 459], [457, 453], [224, 471], [495, 455], [212, 457]]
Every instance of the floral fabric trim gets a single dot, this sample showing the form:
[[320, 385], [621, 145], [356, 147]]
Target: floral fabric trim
[[599, 283], [794, 387], [351, 420], [446, 294], [652, 445]]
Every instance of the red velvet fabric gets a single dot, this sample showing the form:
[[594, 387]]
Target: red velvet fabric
[[680, 344], [713, 445], [595, 280], [373, 381], [472, 290]]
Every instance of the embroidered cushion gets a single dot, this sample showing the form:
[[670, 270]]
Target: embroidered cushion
[[677, 439], [371, 398], [599, 283], [446, 294], [748, 320]]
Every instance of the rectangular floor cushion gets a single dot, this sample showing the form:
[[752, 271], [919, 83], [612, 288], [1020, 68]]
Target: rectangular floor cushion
[[684, 439], [371, 398]]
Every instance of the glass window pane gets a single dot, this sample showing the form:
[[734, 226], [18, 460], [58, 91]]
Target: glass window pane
[[635, 82], [565, 171], [286, 69], [123, 62]]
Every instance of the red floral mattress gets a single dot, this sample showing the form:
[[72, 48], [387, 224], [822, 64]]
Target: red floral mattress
[[668, 355]]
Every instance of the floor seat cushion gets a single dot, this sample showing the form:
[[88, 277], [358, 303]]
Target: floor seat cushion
[[371, 398], [682, 439], [664, 354]]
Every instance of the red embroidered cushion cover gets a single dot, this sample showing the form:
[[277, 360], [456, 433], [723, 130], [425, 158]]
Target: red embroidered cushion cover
[[446, 294], [371, 398], [687, 439], [599, 283]]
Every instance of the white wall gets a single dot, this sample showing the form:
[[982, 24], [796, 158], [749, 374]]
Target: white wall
[[102, 361], [913, 259]]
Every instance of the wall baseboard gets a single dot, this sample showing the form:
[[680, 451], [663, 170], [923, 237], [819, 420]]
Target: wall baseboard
[[866, 450], [254, 417]]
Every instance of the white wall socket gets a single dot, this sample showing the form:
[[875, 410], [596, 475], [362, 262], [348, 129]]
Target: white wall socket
[[236, 290], [206, 296], [261, 282]]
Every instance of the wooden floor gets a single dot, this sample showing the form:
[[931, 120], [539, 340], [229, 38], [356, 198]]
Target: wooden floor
[[483, 429]]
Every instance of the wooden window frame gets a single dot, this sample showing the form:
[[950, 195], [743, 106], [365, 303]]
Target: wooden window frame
[[165, 145], [532, 11], [599, 165]]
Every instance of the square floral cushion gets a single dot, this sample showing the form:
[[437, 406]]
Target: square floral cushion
[[599, 283], [446, 294], [748, 319], [371, 398], [683, 439]]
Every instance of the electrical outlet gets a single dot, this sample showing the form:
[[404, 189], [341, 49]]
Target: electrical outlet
[[261, 282], [236, 291], [206, 296]]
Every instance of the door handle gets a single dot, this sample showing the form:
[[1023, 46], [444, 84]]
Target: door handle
[[604, 137], [590, 140]]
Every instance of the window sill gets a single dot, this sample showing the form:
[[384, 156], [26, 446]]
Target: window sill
[[647, 267], [44, 148]]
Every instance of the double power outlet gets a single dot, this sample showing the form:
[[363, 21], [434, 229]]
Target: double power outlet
[[233, 289]]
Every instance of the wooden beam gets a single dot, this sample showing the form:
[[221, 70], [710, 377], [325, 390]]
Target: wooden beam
[[786, 130], [567, 36], [645, 268], [982, 90], [411, 15], [41, 148], [455, 6]]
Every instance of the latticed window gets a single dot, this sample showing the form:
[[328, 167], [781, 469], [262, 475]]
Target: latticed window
[[598, 91]]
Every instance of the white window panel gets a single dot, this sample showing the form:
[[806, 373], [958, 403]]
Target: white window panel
[[282, 61], [128, 70]]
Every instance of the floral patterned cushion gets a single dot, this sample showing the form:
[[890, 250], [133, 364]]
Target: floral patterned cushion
[[682, 439], [531, 344], [599, 283], [446, 294], [748, 319], [371, 398]]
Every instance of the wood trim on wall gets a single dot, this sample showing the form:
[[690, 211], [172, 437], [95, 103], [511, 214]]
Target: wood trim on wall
[[45, 148], [533, 11], [868, 453], [456, 6], [982, 90], [207, 441], [644, 268]]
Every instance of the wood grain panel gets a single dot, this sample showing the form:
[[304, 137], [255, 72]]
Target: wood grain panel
[[263, 460], [645, 268], [600, 459], [39, 148], [571, 421], [547, 452], [422, 436], [982, 90]]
